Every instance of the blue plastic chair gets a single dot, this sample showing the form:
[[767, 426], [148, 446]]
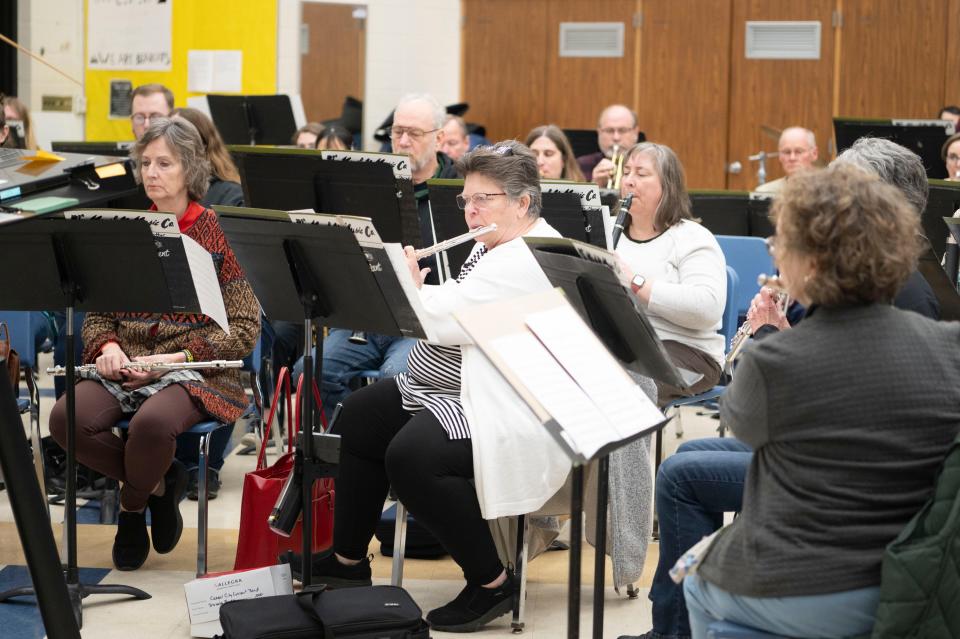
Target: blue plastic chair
[[730, 630], [204, 430], [749, 257]]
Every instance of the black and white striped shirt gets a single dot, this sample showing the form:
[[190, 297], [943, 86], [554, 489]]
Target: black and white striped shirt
[[432, 380]]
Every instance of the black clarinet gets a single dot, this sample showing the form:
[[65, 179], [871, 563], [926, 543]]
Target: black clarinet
[[622, 214]]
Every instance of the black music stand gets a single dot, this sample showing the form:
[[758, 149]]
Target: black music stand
[[309, 273], [26, 500], [75, 264], [253, 119], [923, 137], [942, 202], [614, 315], [723, 212], [293, 179]]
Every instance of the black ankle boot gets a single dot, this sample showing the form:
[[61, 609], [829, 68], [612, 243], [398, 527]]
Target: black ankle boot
[[473, 608], [166, 524], [131, 545]]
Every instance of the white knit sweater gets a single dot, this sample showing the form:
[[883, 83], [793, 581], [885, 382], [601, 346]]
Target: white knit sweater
[[687, 273]]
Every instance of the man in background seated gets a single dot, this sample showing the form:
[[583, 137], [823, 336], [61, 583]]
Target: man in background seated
[[149, 102], [417, 132], [797, 151], [951, 112], [616, 127], [456, 140], [705, 478]]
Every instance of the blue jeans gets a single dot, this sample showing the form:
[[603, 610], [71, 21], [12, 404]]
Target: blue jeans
[[695, 486], [838, 614], [343, 361]]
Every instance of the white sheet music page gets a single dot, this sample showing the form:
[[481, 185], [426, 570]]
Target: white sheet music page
[[585, 427], [583, 356], [206, 283], [398, 261]]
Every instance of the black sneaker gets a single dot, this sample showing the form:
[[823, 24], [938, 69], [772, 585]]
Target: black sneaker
[[327, 569], [131, 545], [166, 524], [213, 485], [473, 608]]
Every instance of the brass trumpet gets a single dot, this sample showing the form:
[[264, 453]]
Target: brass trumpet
[[617, 157], [745, 331]]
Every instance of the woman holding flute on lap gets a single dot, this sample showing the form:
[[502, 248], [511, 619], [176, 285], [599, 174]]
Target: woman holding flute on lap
[[171, 162], [673, 265], [414, 432]]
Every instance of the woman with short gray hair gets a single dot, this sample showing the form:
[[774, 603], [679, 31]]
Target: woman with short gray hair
[[172, 165], [415, 432]]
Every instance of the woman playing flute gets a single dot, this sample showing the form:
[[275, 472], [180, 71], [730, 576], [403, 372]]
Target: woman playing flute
[[171, 162]]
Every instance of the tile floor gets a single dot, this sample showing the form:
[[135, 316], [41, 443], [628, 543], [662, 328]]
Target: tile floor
[[431, 583]]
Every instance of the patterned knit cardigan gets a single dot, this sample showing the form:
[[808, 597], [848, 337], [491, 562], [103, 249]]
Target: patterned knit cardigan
[[220, 394]]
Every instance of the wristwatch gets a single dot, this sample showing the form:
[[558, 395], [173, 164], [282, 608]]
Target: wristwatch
[[637, 283]]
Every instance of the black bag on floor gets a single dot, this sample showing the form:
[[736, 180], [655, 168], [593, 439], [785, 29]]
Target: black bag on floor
[[372, 612], [421, 544]]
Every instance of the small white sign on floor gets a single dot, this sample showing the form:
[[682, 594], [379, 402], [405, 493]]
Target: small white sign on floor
[[206, 595]]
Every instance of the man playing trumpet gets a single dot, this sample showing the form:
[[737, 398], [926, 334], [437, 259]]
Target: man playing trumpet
[[617, 131]]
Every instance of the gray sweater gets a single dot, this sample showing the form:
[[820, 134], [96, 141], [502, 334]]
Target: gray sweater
[[850, 415]]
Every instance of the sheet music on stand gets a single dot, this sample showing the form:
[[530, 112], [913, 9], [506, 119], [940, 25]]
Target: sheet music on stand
[[562, 371], [187, 265], [589, 276], [386, 260]]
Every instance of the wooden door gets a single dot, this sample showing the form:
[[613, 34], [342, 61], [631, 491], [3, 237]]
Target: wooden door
[[951, 89], [504, 59], [769, 95], [684, 83], [332, 66], [893, 58], [579, 88]]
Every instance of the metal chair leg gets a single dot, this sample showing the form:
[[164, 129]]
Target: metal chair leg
[[399, 545], [202, 522], [520, 574]]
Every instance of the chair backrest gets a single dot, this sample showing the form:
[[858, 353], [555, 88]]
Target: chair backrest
[[749, 258], [728, 327], [21, 325]]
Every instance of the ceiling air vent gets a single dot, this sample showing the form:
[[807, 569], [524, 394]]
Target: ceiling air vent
[[591, 39], [785, 40]]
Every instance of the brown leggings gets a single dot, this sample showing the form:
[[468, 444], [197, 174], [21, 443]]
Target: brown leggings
[[141, 461]]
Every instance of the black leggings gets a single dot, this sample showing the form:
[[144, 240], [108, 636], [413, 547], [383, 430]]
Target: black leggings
[[382, 444]]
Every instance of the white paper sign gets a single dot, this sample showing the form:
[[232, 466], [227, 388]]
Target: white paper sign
[[129, 35], [214, 70], [206, 595], [399, 163]]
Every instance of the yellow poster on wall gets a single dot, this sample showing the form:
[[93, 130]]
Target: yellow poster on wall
[[249, 27]]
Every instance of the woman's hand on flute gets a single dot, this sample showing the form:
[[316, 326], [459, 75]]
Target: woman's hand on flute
[[110, 361], [419, 274], [134, 378], [765, 310]]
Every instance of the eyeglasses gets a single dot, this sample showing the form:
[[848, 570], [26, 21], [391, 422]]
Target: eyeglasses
[[479, 200], [141, 118], [953, 157], [396, 132], [610, 130], [793, 152]]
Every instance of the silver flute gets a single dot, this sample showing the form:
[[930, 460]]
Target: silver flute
[[453, 241], [746, 330], [155, 366]]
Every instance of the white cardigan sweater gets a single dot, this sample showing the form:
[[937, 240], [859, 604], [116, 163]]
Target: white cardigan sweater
[[517, 465], [688, 274]]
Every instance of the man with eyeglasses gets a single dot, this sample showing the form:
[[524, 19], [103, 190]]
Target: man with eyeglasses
[[150, 101], [616, 127], [797, 151], [417, 132]]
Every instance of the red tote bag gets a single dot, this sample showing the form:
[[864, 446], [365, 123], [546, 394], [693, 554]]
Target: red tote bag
[[258, 545]]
